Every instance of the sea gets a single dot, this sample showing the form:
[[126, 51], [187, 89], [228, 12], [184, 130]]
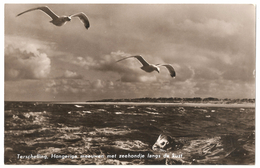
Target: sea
[[123, 133]]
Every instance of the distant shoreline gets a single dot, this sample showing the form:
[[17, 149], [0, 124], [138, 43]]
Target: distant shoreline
[[235, 105], [252, 105]]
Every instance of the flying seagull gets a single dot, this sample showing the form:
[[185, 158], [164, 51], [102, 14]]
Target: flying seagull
[[60, 20], [151, 67]]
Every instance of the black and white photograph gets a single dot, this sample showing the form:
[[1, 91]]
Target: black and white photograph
[[129, 84]]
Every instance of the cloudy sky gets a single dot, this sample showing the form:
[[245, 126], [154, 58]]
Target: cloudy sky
[[211, 47]]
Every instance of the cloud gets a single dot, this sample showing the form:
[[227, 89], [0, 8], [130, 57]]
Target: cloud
[[62, 86], [97, 84], [128, 70], [71, 89], [24, 59], [100, 85], [205, 44], [84, 62], [239, 74], [71, 75], [222, 88], [210, 27]]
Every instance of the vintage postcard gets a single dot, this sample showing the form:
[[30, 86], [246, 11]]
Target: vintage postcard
[[129, 84]]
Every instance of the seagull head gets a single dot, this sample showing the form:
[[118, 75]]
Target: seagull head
[[68, 18], [157, 69], [65, 18]]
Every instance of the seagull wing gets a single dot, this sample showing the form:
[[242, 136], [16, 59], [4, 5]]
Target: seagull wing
[[139, 57], [83, 17], [170, 69], [45, 9]]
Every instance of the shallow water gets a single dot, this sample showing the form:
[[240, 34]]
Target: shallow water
[[124, 134]]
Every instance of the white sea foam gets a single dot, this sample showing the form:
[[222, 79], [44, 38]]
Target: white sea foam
[[131, 145]]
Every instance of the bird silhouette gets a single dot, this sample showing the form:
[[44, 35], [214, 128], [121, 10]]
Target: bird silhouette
[[147, 67], [60, 20]]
